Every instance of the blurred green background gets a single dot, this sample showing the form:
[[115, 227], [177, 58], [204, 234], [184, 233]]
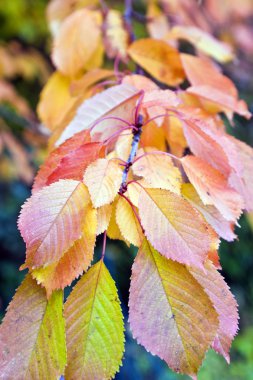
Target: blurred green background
[[24, 29]]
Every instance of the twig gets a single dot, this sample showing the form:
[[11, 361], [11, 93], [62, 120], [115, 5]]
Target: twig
[[135, 143], [104, 246]]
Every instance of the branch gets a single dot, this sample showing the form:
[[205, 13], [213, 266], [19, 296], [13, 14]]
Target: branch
[[135, 143], [128, 19]]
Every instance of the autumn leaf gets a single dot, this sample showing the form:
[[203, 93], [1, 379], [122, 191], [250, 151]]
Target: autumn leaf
[[114, 102], [71, 51], [32, 335], [94, 327], [169, 312], [79, 86], [103, 179], [116, 37], [128, 223], [158, 170], [225, 305], [213, 188], [204, 42], [204, 143], [51, 221], [174, 227], [210, 213], [75, 260], [71, 149], [103, 218], [55, 100], [159, 59], [208, 83]]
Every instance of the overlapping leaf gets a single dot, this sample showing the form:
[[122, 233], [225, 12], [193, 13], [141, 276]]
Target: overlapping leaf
[[169, 312], [32, 335], [224, 304], [158, 170], [174, 227], [75, 260], [71, 51], [208, 83], [204, 42], [213, 188], [52, 220], [128, 223], [223, 227], [159, 59], [94, 324], [117, 101], [103, 179]]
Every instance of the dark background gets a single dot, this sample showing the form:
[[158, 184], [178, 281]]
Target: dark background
[[23, 23]]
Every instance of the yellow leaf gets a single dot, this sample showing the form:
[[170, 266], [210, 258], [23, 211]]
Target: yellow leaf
[[32, 335], [174, 227], [103, 179], [158, 170], [169, 312], [72, 50], [103, 215], [95, 329], [55, 100], [116, 37], [128, 223], [79, 86], [159, 59], [203, 41]]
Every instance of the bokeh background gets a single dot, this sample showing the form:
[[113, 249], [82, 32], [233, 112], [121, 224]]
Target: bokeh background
[[24, 68]]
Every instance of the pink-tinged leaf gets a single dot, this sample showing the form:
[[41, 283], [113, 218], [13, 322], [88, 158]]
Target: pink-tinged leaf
[[117, 101], [204, 142], [51, 220], [32, 335], [174, 227], [140, 82], [103, 179], [78, 141], [223, 227], [224, 304], [213, 187], [73, 164], [208, 83], [157, 102], [240, 157], [77, 259], [169, 312]]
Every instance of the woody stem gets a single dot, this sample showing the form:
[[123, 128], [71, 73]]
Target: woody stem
[[135, 143]]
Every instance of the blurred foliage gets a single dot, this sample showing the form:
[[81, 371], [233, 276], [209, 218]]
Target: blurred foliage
[[24, 33]]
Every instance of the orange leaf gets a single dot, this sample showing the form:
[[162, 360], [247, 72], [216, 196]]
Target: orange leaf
[[71, 51], [213, 187], [159, 59], [208, 83]]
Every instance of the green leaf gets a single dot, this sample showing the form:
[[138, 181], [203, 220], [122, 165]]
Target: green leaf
[[32, 335], [95, 329]]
